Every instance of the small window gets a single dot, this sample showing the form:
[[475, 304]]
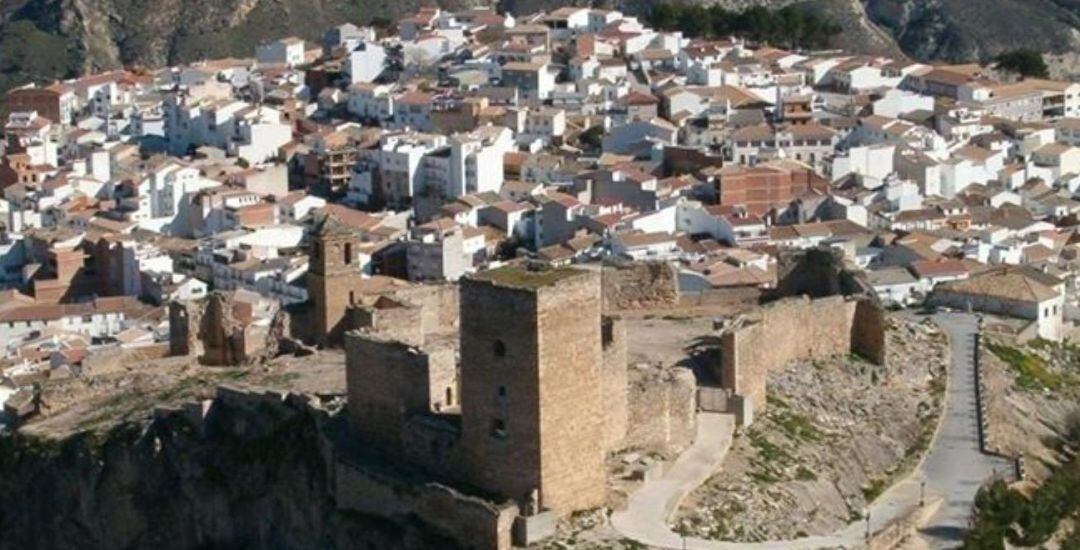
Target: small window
[[499, 348], [348, 253], [498, 428], [502, 392]]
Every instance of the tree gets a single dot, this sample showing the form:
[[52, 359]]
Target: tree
[[592, 138], [1026, 63]]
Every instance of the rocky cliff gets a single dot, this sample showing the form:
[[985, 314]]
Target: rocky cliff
[[963, 30], [46, 39], [248, 475]]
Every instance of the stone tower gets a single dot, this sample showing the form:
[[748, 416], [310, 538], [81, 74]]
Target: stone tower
[[331, 275], [531, 389]]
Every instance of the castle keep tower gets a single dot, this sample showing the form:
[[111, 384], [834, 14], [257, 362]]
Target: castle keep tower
[[333, 269], [531, 383]]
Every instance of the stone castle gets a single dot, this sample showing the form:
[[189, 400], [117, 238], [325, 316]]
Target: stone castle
[[532, 409]]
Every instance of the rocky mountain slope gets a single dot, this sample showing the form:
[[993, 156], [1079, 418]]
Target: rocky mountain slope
[[167, 484], [46, 39]]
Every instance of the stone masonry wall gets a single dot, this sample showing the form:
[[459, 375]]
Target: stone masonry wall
[[614, 380], [388, 381], [439, 305], [797, 328], [661, 408], [392, 319], [532, 408], [868, 331], [471, 522], [639, 285]]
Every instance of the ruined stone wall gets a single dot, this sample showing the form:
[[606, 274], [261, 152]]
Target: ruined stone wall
[[639, 285], [391, 319], [218, 331], [471, 522], [389, 381], [184, 324], [661, 409], [797, 328], [431, 444], [868, 331], [817, 272], [439, 305], [614, 380]]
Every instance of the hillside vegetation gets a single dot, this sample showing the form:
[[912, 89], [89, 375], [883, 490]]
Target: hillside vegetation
[[42, 40]]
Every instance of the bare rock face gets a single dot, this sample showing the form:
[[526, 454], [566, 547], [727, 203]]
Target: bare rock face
[[73, 37], [241, 476], [962, 30]]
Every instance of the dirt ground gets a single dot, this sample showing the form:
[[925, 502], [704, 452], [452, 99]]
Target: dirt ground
[[131, 393], [836, 434], [1027, 413]]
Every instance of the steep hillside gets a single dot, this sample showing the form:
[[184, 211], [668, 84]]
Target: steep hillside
[[963, 30], [46, 39], [249, 477]]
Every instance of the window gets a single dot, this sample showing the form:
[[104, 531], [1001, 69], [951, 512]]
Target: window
[[348, 253], [449, 397], [499, 348], [502, 392], [498, 428]]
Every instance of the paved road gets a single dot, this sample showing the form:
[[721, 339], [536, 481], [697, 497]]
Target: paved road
[[955, 468], [645, 517], [952, 470]]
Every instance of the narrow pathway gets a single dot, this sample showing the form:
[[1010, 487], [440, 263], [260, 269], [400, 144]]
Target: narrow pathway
[[645, 517], [951, 473]]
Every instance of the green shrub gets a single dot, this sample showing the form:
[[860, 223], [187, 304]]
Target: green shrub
[[787, 27], [1023, 62]]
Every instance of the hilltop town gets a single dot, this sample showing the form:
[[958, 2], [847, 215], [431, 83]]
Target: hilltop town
[[551, 265]]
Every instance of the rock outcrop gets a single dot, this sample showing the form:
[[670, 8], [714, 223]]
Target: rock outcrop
[[249, 471], [49, 39]]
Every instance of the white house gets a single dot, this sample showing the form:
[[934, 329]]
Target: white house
[[286, 51]]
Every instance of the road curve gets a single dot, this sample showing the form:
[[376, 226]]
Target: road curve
[[950, 473]]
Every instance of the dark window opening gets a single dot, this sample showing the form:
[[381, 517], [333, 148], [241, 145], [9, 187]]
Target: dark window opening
[[499, 348], [498, 429]]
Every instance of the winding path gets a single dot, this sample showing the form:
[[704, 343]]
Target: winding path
[[952, 472]]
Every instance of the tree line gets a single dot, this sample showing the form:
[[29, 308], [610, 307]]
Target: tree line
[[788, 27]]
